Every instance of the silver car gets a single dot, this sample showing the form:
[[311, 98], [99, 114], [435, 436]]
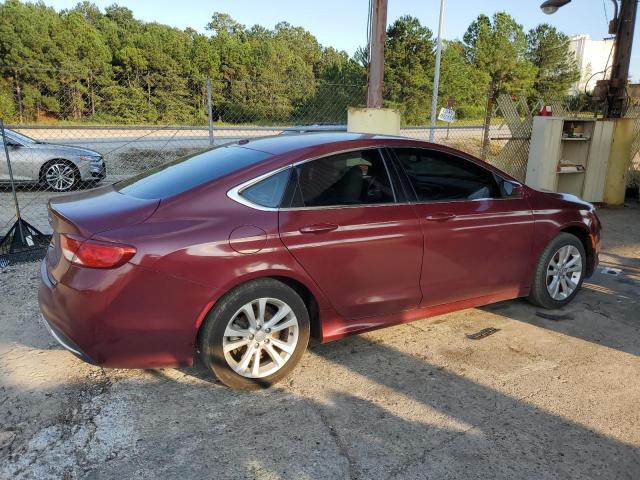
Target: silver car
[[58, 167]]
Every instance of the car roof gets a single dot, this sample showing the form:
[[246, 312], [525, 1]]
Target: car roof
[[282, 144]]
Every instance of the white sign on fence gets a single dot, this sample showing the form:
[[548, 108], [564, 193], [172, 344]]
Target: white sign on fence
[[447, 115]]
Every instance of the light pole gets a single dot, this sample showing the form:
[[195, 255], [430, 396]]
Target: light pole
[[436, 75], [552, 6]]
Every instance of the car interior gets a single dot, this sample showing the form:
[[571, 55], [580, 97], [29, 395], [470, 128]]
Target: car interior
[[354, 178], [438, 176]]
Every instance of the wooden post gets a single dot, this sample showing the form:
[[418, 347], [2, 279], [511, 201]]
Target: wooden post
[[376, 53], [487, 122], [624, 27]]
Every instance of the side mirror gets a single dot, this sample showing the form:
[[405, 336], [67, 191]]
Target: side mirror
[[510, 189], [9, 143]]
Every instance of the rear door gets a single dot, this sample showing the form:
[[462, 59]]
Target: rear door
[[477, 241], [346, 226]]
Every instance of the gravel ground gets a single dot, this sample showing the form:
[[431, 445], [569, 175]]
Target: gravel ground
[[541, 398]]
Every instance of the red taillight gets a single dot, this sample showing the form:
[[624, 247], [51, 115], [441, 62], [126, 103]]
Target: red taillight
[[95, 254]]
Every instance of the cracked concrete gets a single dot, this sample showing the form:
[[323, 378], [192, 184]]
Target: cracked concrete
[[542, 398]]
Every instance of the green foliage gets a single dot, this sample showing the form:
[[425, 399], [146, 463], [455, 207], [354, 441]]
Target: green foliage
[[408, 69], [86, 65], [89, 65], [469, 111], [497, 48], [7, 107], [461, 81], [556, 67]]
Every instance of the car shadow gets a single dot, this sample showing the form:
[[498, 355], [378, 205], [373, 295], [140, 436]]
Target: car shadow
[[357, 408], [603, 312], [361, 418], [498, 435]]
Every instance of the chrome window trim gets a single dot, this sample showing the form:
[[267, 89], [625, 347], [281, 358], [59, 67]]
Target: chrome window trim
[[235, 193], [334, 207], [434, 202]]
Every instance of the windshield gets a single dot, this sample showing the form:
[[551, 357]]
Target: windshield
[[11, 135], [185, 173]]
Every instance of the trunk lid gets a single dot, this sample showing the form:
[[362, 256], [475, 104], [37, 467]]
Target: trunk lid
[[89, 213], [97, 211]]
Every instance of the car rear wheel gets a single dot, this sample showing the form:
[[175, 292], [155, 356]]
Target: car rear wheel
[[559, 273], [60, 175], [255, 335]]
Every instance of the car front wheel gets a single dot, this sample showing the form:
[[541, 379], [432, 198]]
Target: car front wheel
[[559, 273], [255, 335], [60, 175]]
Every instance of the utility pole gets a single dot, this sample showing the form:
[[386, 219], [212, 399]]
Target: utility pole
[[376, 53], [623, 27], [612, 91], [436, 75]]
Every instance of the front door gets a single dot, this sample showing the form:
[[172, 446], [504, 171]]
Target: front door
[[477, 241], [346, 229], [21, 160]]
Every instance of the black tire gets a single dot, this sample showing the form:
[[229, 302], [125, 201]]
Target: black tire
[[539, 294], [63, 164], [211, 334]]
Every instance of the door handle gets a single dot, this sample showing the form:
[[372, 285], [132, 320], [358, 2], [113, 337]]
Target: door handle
[[319, 228], [440, 217]]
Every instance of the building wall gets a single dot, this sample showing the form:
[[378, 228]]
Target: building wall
[[593, 57]]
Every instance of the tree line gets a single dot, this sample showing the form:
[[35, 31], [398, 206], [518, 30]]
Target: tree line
[[84, 64]]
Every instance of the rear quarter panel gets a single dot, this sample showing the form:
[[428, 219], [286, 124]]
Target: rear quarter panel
[[215, 242]]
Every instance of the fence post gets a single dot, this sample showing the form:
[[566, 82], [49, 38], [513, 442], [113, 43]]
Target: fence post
[[487, 123], [13, 185], [210, 110]]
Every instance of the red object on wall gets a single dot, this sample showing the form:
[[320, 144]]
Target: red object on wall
[[545, 111]]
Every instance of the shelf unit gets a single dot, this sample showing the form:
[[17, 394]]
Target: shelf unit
[[569, 155]]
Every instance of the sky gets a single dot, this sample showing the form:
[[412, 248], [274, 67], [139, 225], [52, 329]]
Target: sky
[[342, 23]]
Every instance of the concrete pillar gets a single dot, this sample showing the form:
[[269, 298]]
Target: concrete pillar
[[619, 161], [373, 120]]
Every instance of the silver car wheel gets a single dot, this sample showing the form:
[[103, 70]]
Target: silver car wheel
[[564, 272], [60, 176], [260, 338]]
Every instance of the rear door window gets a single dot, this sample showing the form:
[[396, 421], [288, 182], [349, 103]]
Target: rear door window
[[186, 173], [351, 178], [268, 192]]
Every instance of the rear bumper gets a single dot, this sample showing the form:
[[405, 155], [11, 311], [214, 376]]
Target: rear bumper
[[129, 317], [66, 342]]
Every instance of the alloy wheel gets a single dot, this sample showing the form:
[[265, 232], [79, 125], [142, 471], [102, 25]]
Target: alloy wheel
[[260, 337], [564, 272], [60, 176]]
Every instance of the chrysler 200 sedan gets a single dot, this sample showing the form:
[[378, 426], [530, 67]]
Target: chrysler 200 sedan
[[241, 253]]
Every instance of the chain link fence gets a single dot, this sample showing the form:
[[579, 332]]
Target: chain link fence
[[633, 174], [89, 133]]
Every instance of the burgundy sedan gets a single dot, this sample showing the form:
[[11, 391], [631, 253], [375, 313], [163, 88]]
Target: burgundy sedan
[[242, 252]]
